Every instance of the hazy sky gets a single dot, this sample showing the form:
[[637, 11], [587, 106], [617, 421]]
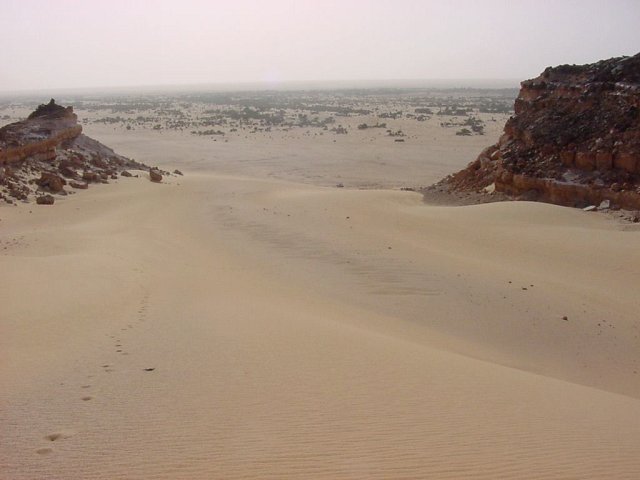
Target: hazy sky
[[89, 43]]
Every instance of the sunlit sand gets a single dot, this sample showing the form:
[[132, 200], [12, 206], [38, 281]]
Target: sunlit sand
[[251, 320]]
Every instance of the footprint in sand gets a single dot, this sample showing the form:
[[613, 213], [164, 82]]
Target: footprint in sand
[[44, 451], [61, 435], [87, 398]]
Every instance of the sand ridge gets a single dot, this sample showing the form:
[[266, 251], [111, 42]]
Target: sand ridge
[[265, 329]]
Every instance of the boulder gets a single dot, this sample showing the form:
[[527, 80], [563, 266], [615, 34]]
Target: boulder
[[45, 200], [177, 172], [100, 163], [79, 185], [67, 171], [90, 176], [19, 192], [125, 173], [155, 175], [51, 181]]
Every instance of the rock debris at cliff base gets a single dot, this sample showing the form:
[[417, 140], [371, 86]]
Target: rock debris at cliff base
[[574, 140], [47, 154]]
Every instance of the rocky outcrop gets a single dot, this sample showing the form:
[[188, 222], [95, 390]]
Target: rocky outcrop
[[38, 154], [155, 175], [51, 110], [38, 143], [574, 139]]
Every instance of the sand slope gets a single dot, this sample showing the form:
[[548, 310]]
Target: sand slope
[[307, 332]]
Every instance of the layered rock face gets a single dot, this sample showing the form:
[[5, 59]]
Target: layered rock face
[[39, 135], [574, 139], [47, 152]]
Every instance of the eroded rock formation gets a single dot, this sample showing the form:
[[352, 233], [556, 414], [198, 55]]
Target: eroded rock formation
[[47, 152], [574, 139]]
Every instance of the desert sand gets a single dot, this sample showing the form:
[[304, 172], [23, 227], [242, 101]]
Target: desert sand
[[250, 320]]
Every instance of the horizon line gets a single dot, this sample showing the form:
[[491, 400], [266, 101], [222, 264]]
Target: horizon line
[[266, 85]]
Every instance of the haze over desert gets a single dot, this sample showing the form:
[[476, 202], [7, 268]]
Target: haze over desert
[[340, 281]]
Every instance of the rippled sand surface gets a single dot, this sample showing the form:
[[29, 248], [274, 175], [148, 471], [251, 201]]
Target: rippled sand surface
[[230, 327]]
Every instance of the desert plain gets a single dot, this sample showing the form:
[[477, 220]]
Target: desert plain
[[292, 308]]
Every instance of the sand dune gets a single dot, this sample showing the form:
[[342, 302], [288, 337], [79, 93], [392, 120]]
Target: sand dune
[[230, 327]]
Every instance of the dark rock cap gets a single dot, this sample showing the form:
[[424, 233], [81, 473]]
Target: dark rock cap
[[51, 110]]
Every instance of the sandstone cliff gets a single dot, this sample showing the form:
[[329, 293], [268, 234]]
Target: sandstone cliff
[[47, 153], [574, 139]]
